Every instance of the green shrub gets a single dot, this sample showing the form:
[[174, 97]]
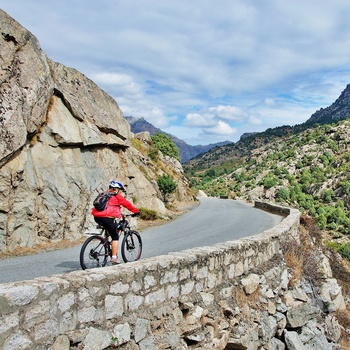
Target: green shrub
[[344, 250], [166, 185], [333, 245], [166, 145], [148, 214], [269, 181], [282, 194]]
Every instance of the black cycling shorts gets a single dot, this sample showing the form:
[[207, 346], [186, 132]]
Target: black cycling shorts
[[110, 225]]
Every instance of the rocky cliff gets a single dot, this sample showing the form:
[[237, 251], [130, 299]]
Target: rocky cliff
[[338, 110], [62, 139]]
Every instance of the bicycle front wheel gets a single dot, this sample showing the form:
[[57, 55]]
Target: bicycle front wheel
[[131, 247], [93, 253]]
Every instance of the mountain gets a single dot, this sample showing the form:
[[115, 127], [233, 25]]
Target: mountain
[[340, 109], [187, 151]]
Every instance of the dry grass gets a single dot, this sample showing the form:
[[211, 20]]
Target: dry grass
[[242, 300], [296, 264], [293, 256], [302, 256]]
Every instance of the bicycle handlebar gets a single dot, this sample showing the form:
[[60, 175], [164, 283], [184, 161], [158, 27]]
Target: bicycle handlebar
[[132, 215]]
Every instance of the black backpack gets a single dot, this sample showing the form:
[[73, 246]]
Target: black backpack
[[100, 202]]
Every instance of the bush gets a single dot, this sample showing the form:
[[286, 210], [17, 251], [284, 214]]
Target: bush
[[148, 214], [269, 181], [282, 194], [166, 185], [344, 250], [166, 145]]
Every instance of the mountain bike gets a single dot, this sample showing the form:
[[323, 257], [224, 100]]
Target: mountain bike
[[96, 251]]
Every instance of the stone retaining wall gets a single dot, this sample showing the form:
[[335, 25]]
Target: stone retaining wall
[[176, 301]]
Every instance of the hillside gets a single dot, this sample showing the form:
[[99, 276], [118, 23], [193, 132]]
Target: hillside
[[187, 151], [309, 170]]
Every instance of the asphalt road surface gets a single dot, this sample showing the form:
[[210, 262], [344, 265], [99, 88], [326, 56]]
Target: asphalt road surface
[[213, 221]]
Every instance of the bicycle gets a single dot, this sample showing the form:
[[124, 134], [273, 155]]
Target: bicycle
[[97, 249]]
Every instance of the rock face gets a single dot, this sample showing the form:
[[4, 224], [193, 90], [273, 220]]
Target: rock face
[[62, 139]]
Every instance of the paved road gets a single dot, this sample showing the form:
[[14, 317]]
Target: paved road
[[213, 221]]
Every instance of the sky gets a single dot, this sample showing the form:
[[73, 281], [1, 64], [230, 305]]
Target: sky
[[205, 71]]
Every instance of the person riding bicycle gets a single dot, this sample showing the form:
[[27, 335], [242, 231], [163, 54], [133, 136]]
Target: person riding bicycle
[[106, 218]]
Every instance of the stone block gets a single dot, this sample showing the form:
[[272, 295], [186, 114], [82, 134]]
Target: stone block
[[114, 306], [250, 283]]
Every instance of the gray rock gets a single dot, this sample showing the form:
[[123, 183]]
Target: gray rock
[[97, 339], [268, 327], [275, 344], [300, 315], [26, 86], [250, 283], [332, 329], [293, 341], [61, 343], [141, 328]]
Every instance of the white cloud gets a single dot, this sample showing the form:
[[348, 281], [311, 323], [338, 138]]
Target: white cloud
[[203, 69], [197, 119], [231, 113], [221, 128], [270, 102], [254, 120]]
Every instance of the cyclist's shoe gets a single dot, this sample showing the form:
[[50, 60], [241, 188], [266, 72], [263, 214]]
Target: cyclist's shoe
[[115, 261]]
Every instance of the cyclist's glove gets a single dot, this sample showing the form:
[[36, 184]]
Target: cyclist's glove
[[136, 214]]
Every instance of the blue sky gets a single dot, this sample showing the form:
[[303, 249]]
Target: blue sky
[[203, 70]]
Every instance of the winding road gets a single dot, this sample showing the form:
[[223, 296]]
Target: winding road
[[213, 221]]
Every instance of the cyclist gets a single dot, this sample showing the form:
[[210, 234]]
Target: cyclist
[[106, 218]]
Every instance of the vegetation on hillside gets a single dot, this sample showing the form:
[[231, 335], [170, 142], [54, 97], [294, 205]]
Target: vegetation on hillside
[[307, 169], [166, 186], [166, 145], [159, 169]]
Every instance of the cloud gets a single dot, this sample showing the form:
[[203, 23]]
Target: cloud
[[205, 70], [198, 119], [221, 128], [254, 120], [231, 113]]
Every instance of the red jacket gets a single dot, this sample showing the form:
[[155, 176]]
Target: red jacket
[[114, 207]]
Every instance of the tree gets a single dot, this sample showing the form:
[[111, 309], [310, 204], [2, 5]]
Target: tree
[[166, 186], [166, 145]]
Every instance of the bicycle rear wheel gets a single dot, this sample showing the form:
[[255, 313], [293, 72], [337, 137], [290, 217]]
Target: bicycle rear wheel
[[93, 253], [131, 247]]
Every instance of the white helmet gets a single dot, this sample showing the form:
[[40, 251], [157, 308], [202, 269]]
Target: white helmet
[[115, 184]]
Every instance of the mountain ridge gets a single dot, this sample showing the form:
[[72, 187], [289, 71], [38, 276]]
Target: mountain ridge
[[339, 110], [187, 151]]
